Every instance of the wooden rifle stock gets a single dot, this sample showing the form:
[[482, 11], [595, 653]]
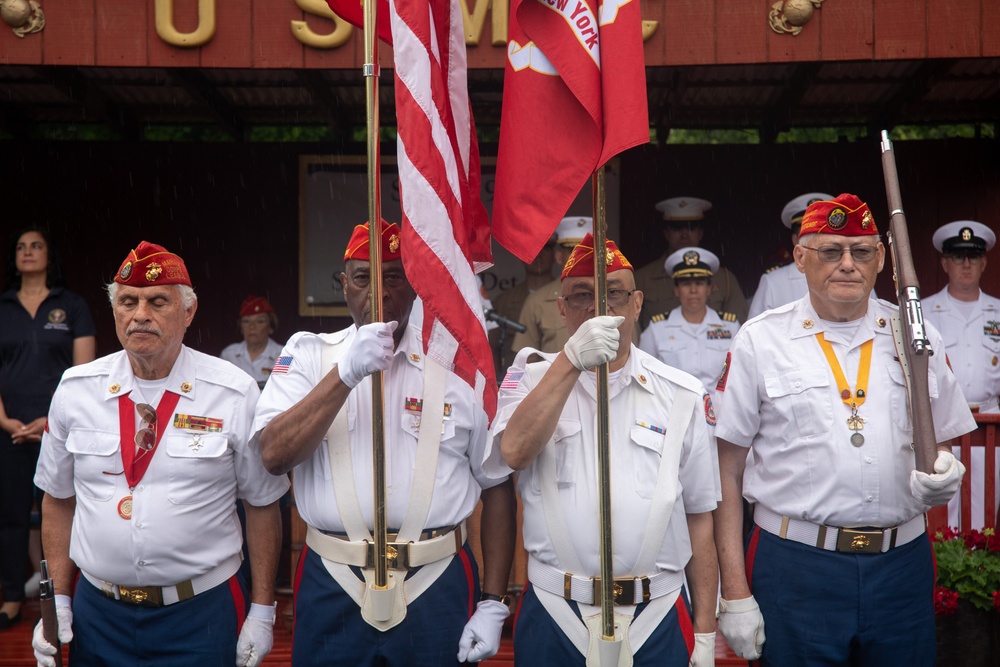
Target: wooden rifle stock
[[50, 621], [916, 346]]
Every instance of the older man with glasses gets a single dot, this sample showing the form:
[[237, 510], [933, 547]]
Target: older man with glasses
[[969, 322], [144, 457], [664, 484], [814, 430]]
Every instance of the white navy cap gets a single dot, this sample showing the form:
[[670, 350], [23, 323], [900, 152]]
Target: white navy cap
[[571, 230], [684, 208], [792, 213], [691, 263], [964, 236]]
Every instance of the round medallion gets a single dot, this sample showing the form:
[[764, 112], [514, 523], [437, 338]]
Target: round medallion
[[837, 218], [115, 388], [126, 271], [185, 387], [125, 507], [857, 439], [845, 394], [807, 323]]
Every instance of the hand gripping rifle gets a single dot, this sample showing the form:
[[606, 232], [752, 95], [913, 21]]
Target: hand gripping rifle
[[912, 344], [50, 622]]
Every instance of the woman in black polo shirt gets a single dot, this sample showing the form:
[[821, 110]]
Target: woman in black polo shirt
[[45, 330]]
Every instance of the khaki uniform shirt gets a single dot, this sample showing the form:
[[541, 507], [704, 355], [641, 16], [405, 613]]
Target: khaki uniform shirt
[[540, 314], [658, 292]]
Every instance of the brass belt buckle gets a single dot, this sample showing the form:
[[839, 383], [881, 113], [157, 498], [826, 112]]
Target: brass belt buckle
[[397, 556], [624, 590], [859, 541], [142, 596]]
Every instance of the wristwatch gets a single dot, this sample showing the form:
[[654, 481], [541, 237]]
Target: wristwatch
[[502, 599]]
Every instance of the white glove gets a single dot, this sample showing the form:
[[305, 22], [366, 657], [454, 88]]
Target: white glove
[[938, 489], [742, 626], [594, 343], [703, 654], [257, 635], [481, 636], [370, 351], [45, 651]]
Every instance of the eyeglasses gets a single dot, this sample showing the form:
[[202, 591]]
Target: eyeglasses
[[146, 437], [834, 253], [960, 259], [617, 298]]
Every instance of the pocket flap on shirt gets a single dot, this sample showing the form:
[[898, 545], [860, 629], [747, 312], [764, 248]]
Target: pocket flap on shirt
[[565, 428], [896, 374], [796, 382], [195, 445], [94, 443], [647, 439]]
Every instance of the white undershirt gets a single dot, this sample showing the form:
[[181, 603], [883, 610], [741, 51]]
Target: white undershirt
[[966, 308]]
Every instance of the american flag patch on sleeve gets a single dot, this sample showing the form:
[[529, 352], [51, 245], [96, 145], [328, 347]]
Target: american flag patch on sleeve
[[512, 379], [281, 365]]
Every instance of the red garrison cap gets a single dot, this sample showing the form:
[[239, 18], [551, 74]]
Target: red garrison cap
[[581, 261], [845, 215], [150, 264], [357, 247], [253, 305]]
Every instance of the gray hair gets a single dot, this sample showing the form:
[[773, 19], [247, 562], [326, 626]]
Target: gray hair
[[188, 297]]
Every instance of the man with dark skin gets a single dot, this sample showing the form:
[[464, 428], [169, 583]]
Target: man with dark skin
[[315, 418]]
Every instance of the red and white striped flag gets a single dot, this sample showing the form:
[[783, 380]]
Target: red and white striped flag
[[446, 233], [574, 96]]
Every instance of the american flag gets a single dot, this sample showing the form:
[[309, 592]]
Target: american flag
[[281, 365], [445, 227], [446, 233]]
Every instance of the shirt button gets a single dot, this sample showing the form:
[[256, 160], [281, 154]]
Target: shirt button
[[138, 525], [142, 488], [142, 562], [871, 498], [868, 459]]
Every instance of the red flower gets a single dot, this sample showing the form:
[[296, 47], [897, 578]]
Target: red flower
[[996, 600], [946, 601]]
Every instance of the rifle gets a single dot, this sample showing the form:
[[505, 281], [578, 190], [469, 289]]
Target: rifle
[[912, 345], [50, 621]]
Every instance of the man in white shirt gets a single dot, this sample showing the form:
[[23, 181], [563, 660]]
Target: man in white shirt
[[316, 419], [814, 429], [144, 457], [969, 322], [663, 485]]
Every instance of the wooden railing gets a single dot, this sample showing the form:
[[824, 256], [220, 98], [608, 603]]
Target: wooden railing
[[984, 436]]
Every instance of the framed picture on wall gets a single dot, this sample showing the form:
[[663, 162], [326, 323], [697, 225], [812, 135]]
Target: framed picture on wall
[[333, 199]]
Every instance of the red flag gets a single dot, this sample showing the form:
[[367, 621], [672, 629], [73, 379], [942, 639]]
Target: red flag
[[574, 96], [352, 11], [445, 227]]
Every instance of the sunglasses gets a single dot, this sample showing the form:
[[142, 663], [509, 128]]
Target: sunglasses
[[145, 438], [834, 253]]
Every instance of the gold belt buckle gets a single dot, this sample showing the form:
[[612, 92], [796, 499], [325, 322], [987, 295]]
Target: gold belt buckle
[[859, 541], [397, 556], [624, 590], [149, 596]]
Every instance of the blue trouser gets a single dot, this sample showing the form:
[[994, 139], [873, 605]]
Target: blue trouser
[[829, 608], [329, 629], [539, 641], [198, 632]]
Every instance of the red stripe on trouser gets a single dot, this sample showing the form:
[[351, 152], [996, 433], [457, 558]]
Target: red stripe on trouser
[[751, 554], [238, 601], [469, 579], [295, 584], [684, 622]]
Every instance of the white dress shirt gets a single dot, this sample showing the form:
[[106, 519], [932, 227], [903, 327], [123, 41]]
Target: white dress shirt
[[184, 520], [459, 479], [640, 397], [781, 400], [783, 285], [260, 368]]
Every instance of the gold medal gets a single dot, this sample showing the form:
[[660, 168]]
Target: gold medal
[[125, 507], [855, 422]]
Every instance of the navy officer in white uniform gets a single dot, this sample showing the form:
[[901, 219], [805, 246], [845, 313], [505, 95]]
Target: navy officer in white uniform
[[814, 429], [785, 284], [145, 455], [692, 336], [969, 322], [315, 418], [663, 483]]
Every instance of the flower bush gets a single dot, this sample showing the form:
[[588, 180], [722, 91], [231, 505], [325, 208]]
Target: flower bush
[[968, 568]]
